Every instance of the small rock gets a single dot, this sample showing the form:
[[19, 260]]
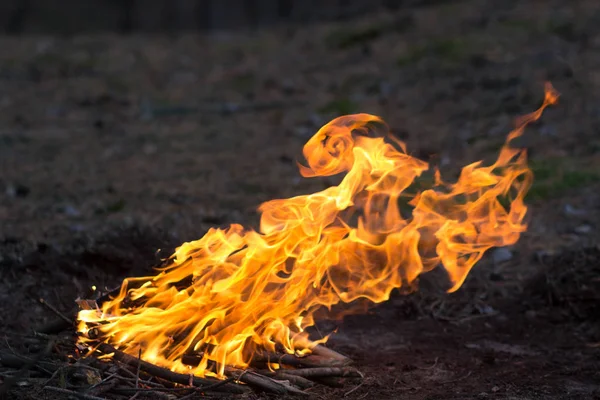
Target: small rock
[[583, 229], [55, 112], [496, 277], [99, 123], [303, 132], [288, 86], [229, 108], [495, 389], [549, 130], [70, 211], [77, 228], [501, 255], [149, 149], [570, 210], [385, 89], [485, 309], [17, 190], [316, 120]]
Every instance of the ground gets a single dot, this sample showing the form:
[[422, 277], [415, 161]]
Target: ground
[[112, 148]]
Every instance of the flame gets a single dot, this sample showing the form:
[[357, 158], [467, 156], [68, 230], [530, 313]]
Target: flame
[[236, 291]]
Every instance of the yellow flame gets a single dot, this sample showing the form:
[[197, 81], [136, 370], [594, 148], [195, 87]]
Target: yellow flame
[[236, 291]]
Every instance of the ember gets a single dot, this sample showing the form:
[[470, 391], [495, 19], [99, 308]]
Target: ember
[[235, 295]]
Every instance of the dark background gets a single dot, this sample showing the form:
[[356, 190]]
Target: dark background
[[126, 16], [132, 126]]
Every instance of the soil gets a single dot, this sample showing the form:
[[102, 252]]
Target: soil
[[112, 148]]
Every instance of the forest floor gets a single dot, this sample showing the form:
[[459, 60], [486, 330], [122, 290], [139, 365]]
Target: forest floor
[[114, 147]]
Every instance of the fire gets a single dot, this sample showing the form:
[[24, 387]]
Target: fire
[[237, 291]]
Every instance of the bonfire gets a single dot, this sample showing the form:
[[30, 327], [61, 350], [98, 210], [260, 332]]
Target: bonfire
[[239, 300]]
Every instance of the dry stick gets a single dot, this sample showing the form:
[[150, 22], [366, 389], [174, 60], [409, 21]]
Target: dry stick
[[103, 388], [299, 381], [354, 389], [322, 372], [55, 311], [326, 352], [132, 379], [163, 372], [257, 381], [312, 360], [331, 381], [137, 375], [24, 363]]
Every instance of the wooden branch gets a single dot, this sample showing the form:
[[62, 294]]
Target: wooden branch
[[322, 372], [165, 373], [299, 381], [326, 352], [311, 360], [262, 382]]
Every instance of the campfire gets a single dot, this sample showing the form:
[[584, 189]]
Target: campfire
[[236, 304]]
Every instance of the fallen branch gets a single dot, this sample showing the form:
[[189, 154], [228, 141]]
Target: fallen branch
[[323, 372], [328, 353], [311, 360], [299, 381], [262, 382]]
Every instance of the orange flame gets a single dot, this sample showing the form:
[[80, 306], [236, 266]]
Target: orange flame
[[236, 291]]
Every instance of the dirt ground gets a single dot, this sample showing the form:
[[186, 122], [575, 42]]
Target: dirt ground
[[114, 147]]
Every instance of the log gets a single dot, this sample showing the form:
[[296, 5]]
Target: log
[[323, 372], [299, 381], [311, 360], [326, 352], [263, 382]]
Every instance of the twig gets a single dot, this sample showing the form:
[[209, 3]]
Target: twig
[[72, 393], [24, 363], [137, 375], [328, 353], [431, 366], [299, 381], [104, 387], [55, 311], [163, 372], [322, 372], [457, 379], [257, 381], [311, 360], [132, 379], [55, 373], [353, 389]]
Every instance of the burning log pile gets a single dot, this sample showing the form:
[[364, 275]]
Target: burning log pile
[[230, 311], [109, 371]]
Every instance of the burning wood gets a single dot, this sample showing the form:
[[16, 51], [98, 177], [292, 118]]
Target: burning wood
[[235, 305]]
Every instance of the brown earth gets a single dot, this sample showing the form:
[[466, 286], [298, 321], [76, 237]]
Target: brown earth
[[114, 147]]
